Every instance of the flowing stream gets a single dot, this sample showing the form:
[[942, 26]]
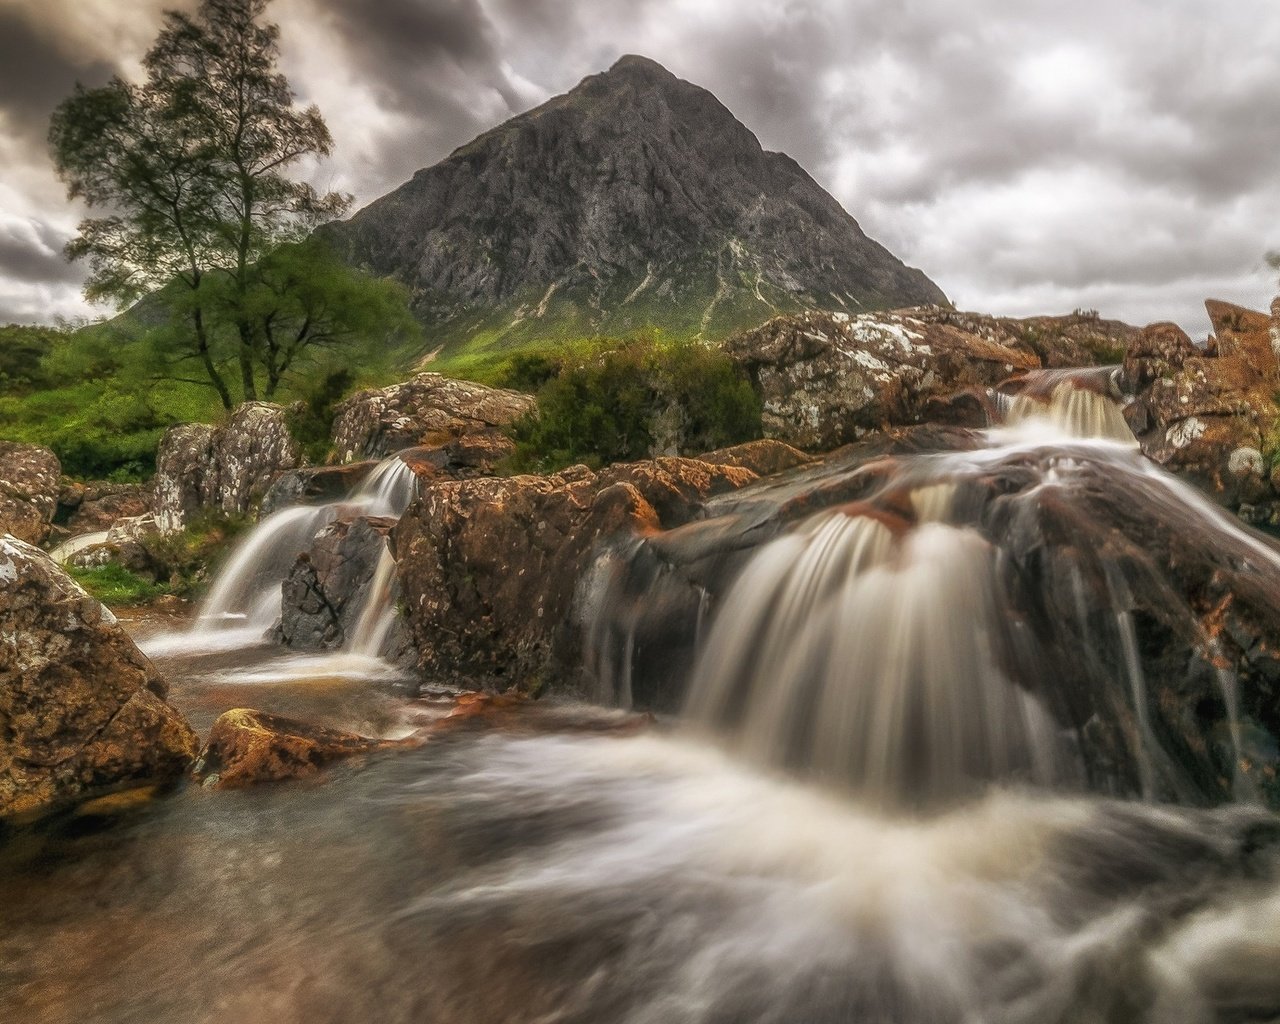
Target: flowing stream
[[879, 801]]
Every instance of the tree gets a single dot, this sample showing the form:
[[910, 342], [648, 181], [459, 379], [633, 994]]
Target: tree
[[191, 166]]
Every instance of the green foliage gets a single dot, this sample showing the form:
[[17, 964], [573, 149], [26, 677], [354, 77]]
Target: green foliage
[[312, 417], [189, 558], [114, 585], [623, 399], [189, 166], [22, 354]]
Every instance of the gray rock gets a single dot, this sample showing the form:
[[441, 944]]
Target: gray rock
[[229, 467], [29, 486], [828, 378], [80, 707]]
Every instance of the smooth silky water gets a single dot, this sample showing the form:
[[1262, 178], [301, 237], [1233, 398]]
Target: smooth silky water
[[860, 815]]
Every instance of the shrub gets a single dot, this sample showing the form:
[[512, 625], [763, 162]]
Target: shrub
[[632, 400], [115, 585]]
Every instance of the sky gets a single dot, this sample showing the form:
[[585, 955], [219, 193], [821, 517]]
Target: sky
[[1032, 157]]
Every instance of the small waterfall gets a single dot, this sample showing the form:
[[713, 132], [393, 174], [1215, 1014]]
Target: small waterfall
[[244, 601], [1073, 410], [874, 659]]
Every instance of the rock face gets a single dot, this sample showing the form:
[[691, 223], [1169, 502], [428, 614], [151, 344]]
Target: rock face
[[828, 378], [80, 707], [228, 467], [249, 747], [29, 484], [489, 568], [97, 506], [1210, 414], [315, 485], [635, 199], [456, 418], [329, 588]]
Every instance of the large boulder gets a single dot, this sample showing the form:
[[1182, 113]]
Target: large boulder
[[335, 589], [826, 379], [228, 467], [1210, 414], [458, 417], [29, 485], [489, 568], [81, 709], [99, 505], [1081, 338]]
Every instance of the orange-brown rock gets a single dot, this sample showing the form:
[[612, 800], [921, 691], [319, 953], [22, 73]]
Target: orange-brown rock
[[81, 709], [1210, 414], [248, 747], [490, 568], [764, 458]]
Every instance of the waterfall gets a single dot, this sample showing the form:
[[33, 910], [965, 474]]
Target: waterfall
[[962, 623], [243, 603]]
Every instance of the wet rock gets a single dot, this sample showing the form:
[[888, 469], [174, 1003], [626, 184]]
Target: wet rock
[[29, 487], [228, 467], [430, 411], [1209, 414], [826, 379], [247, 748], [81, 709], [99, 505], [315, 485], [764, 458], [489, 568], [329, 589]]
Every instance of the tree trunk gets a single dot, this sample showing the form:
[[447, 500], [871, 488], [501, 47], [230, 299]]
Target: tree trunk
[[245, 356], [202, 346]]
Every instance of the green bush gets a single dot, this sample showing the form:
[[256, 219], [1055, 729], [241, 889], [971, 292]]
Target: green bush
[[621, 402], [114, 585]]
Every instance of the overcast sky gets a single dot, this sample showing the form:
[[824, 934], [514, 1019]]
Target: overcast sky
[[1030, 157]]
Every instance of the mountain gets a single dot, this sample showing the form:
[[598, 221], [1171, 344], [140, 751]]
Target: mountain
[[635, 200]]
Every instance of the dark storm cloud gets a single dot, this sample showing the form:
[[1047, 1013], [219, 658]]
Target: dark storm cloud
[[31, 252], [37, 72]]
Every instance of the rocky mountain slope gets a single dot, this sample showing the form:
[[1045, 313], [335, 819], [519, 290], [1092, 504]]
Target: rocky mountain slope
[[635, 200]]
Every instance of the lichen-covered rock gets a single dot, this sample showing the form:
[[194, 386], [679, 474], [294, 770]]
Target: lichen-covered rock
[[330, 590], [1081, 338], [432, 411], [81, 708], [826, 379], [489, 568], [228, 467], [29, 485], [100, 505], [1208, 414], [248, 747]]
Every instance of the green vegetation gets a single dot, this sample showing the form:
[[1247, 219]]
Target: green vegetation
[[189, 558], [189, 169], [116, 586], [606, 402]]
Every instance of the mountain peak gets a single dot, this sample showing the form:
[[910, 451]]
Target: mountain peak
[[637, 200]]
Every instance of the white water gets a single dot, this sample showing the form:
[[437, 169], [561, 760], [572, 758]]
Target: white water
[[243, 604]]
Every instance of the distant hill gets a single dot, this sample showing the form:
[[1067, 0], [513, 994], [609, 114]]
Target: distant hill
[[635, 200]]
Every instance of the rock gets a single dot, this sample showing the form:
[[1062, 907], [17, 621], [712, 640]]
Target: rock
[[30, 481], [81, 709], [329, 588], [455, 416], [315, 485], [1058, 342], [826, 379], [228, 467], [101, 504], [489, 568], [248, 747], [764, 458], [1207, 414]]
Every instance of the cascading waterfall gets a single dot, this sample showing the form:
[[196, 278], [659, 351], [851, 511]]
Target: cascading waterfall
[[1069, 409], [244, 601]]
